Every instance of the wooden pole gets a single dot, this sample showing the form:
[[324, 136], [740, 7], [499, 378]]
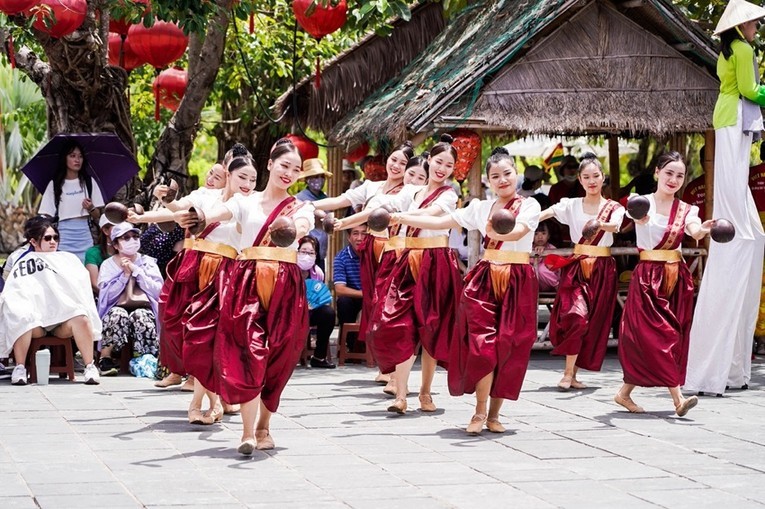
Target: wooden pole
[[475, 190], [709, 171], [334, 188], [613, 165]]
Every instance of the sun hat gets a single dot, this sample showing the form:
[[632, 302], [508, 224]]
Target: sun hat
[[121, 229], [736, 13], [313, 168], [533, 173]]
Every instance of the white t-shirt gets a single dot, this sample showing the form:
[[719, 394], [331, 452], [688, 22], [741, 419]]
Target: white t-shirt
[[650, 234], [249, 213], [476, 215], [570, 211], [72, 194], [409, 200], [205, 199]]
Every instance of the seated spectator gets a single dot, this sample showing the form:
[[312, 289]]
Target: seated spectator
[[129, 285], [96, 255], [347, 278], [47, 293], [162, 246], [548, 278], [321, 314]]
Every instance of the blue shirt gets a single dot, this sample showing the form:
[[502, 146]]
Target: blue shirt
[[306, 195], [347, 269]]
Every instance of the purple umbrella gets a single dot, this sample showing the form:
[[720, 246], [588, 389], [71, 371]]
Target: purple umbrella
[[109, 161]]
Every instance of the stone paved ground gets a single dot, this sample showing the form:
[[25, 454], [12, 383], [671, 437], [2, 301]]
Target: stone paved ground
[[126, 444]]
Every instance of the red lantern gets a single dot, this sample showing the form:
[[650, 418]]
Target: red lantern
[[320, 20], [169, 87], [121, 53], [58, 18], [13, 7], [374, 169], [307, 148], [121, 26], [160, 45], [358, 153], [468, 146]]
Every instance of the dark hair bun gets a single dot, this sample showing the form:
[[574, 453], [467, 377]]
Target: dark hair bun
[[588, 155], [500, 150], [446, 138], [239, 150], [282, 141], [407, 143], [239, 162]]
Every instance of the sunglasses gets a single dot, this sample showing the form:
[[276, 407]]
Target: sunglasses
[[48, 238]]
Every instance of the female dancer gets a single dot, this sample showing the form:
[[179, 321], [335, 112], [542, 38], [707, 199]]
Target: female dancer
[[418, 303], [720, 354], [263, 310], [193, 270], [584, 305], [497, 322], [374, 247], [653, 337]]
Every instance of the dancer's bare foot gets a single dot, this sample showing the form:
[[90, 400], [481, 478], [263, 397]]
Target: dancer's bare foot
[[628, 404], [264, 439], [171, 379], [576, 384]]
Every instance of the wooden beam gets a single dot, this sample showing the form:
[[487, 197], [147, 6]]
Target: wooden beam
[[334, 188], [613, 165], [475, 190]]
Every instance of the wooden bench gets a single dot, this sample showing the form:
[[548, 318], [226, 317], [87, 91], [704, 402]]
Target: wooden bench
[[61, 357], [342, 347]]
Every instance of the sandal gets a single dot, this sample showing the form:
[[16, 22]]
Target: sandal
[[171, 379], [390, 389], [398, 407], [246, 447], [476, 424], [382, 379], [493, 425], [196, 416], [576, 384], [426, 403], [265, 441], [686, 405], [564, 384], [188, 386], [628, 404], [214, 414]]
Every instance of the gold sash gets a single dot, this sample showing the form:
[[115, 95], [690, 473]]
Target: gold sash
[[660, 255], [499, 256], [426, 242], [594, 251], [210, 247], [277, 254], [394, 243]]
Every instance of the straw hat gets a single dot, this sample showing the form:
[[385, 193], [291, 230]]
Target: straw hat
[[737, 12], [313, 168]]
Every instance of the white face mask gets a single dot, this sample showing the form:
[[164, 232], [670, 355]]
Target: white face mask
[[306, 261], [129, 247]]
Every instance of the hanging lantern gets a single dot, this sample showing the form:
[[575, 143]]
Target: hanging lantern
[[374, 169], [320, 20], [358, 153], [169, 87], [468, 146], [58, 18], [13, 7], [160, 45], [307, 148], [121, 26], [121, 53]]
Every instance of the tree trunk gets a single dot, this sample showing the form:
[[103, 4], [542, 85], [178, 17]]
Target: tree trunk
[[177, 140]]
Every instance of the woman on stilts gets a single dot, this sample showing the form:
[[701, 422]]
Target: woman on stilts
[[583, 311], [497, 320], [656, 321], [263, 310]]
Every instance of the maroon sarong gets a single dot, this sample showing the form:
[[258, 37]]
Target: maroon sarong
[[369, 263], [581, 317], [412, 308], [495, 332], [655, 328]]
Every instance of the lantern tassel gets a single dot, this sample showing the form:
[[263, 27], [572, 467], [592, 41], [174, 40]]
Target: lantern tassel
[[252, 23], [11, 51], [317, 78]]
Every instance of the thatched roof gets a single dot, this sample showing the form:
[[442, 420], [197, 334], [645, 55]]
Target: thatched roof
[[351, 76], [550, 67]]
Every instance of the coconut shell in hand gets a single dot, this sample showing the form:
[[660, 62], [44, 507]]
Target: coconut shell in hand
[[379, 219], [200, 224], [283, 232], [138, 209], [723, 231], [638, 206], [328, 223], [172, 191], [590, 229], [503, 221], [116, 212]]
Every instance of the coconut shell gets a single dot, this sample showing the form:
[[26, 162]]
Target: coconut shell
[[379, 219], [200, 225], [328, 223], [723, 231], [116, 212], [591, 229], [638, 206], [138, 208], [172, 191], [503, 221], [283, 231]]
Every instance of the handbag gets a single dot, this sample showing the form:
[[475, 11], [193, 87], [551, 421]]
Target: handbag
[[133, 297]]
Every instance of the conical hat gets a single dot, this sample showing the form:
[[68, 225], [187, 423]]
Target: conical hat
[[737, 12]]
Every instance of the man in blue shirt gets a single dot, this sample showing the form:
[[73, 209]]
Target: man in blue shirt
[[346, 275]]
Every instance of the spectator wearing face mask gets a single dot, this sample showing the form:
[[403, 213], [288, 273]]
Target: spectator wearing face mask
[[567, 186], [315, 176], [129, 284], [321, 314]]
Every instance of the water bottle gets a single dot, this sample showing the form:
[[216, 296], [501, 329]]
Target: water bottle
[[42, 362]]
